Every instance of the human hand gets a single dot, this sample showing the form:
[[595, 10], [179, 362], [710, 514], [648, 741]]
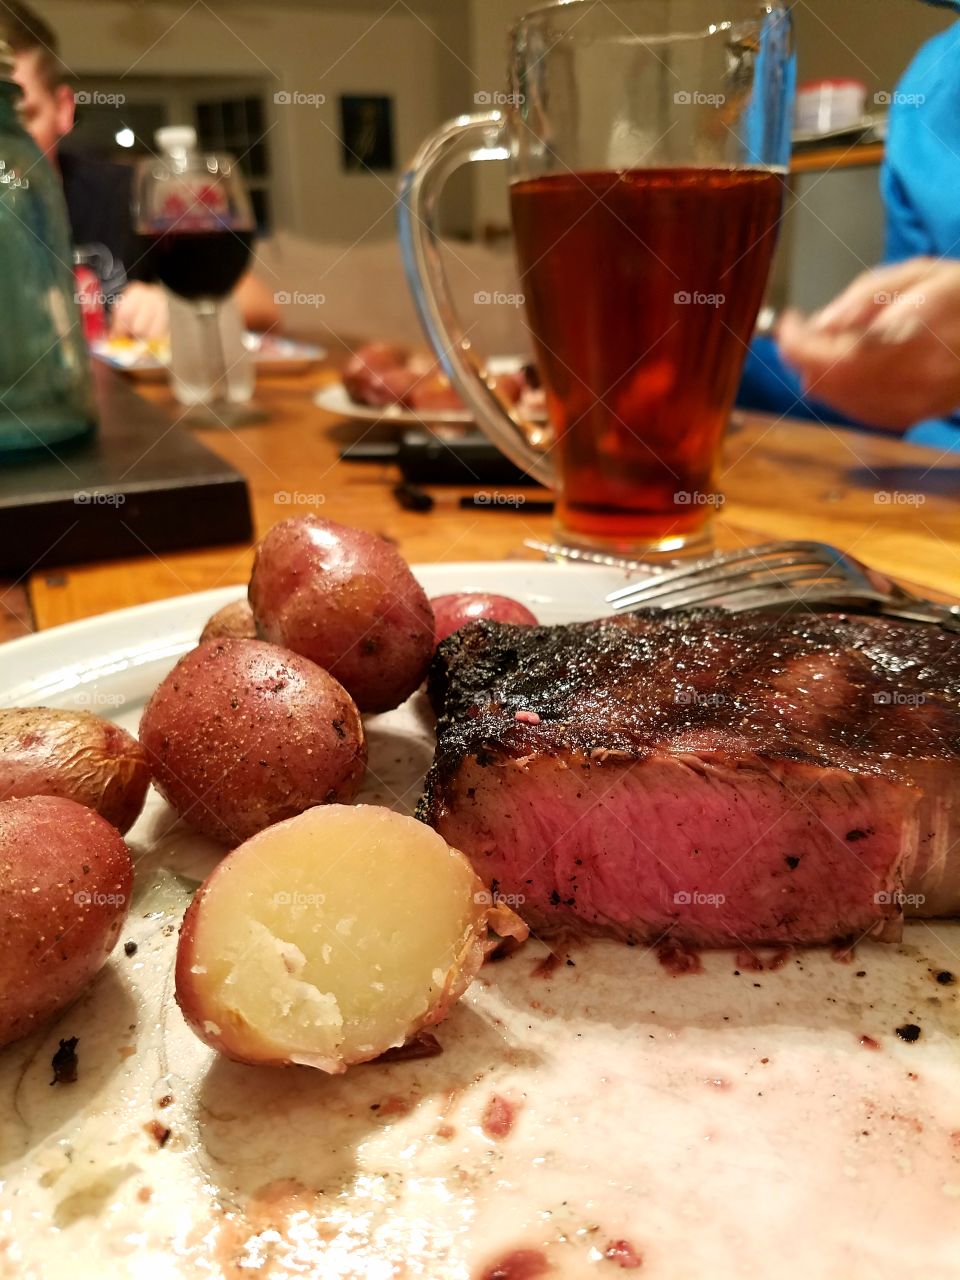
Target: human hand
[[141, 311], [887, 350]]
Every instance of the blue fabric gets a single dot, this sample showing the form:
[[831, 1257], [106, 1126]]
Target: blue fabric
[[920, 178], [920, 182]]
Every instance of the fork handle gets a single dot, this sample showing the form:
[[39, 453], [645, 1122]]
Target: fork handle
[[944, 615]]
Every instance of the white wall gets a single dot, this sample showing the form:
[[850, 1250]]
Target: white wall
[[307, 50], [869, 40], [433, 56]]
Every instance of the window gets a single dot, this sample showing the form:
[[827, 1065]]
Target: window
[[237, 125]]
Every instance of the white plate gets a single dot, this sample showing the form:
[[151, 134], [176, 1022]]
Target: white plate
[[853, 132], [271, 353], [336, 399], [724, 1125]]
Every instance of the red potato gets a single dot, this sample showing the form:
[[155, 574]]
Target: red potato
[[328, 939], [65, 881], [242, 734], [363, 373], [75, 755], [392, 386], [347, 600], [511, 386], [455, 611], [435, 394], [233, 621]]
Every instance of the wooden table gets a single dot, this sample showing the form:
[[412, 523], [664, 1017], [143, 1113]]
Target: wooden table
[[893, 505]]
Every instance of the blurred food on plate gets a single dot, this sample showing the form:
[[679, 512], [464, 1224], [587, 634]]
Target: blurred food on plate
[[381, 374]]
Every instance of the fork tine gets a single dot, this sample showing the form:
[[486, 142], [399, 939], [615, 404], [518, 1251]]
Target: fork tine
[[654, 590], [767, 599], [715, 564], [795, 582]]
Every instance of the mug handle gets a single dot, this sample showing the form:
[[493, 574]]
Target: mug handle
[[460, 141]]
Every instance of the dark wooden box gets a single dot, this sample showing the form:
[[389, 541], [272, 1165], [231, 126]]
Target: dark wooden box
[[141, 486]]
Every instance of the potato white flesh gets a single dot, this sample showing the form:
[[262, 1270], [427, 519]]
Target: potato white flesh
[[329, 938]]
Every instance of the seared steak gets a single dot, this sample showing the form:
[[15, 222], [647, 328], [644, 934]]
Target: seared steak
[[720, 779]]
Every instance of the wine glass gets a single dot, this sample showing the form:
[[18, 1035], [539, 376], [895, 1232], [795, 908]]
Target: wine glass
[[196, 224]]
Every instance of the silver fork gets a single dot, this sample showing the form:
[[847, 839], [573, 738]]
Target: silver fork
[[788, 575]]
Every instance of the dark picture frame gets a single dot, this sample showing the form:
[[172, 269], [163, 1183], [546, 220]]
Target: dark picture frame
[[366, 132]]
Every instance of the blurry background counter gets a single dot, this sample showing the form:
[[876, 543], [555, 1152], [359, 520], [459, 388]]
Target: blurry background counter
[[891, 504]]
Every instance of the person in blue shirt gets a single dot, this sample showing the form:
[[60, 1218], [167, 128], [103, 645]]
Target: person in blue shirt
[[886, 353]]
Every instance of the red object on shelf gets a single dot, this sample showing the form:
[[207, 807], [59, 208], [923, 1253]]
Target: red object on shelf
[[91, 300]]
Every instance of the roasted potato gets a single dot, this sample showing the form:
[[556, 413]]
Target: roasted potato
[[364, 373], [347, 600], [328, 939], [65, 880], [242, 734], [233, 622], [75, 755], [455, 611]]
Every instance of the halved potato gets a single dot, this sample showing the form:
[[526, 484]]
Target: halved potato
[[329, 938]]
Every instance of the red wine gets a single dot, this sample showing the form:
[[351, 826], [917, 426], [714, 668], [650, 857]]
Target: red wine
[[642, 289], [199, 264]]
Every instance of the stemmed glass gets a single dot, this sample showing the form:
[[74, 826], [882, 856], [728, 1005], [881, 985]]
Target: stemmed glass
[[196, 223]]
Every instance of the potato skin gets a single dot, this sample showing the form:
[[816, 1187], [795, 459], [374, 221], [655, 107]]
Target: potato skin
[[65, 881], [455, 611], [75, 755], [347, 600], [242, 734], [233, 621]]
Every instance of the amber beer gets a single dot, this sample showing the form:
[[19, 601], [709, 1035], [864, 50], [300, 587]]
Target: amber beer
[[642, 289]]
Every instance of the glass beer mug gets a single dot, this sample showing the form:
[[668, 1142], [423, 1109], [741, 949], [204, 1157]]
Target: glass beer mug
[[647, 143]]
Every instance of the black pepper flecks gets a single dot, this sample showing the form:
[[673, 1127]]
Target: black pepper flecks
[[945, 978], [909, 1032], [64, 1062], [130, 948]]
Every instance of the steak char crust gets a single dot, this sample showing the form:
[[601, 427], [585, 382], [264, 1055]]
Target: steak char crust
[[724, 779]]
